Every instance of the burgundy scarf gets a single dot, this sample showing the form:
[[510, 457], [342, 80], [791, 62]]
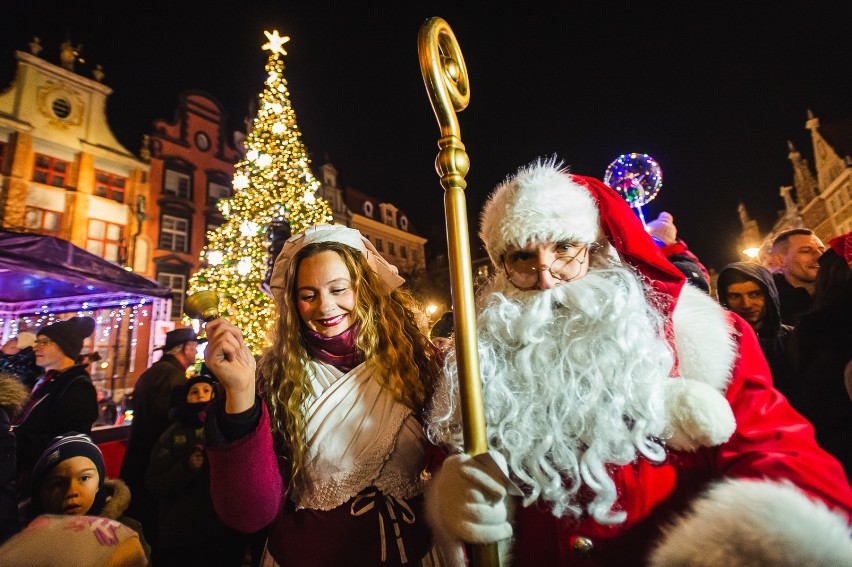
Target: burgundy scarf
[[340, 350]]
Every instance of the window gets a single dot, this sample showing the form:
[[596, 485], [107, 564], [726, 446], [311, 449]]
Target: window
[[43, 221], [2, 153], [174, 234], [176, 283], [176, 184], [403, 252], [104, 239], [391, 249], [379, 245], [216, 191], [50, 171], [110, 186]]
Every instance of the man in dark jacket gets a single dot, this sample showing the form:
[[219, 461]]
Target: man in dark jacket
[[749, 291], [152, 399], [63, 400], [798, 251]]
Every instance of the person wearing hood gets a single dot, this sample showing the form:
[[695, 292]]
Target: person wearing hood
[[75, 513], [190, 532], [749, 290]]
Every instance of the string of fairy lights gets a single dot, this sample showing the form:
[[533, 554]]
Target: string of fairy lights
[[272, 182]]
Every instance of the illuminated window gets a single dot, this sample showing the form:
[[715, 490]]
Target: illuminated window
[[50, 171], [176, 283], [174, 234], [110, 186], [104, 239], [176, 183], [43, 221]]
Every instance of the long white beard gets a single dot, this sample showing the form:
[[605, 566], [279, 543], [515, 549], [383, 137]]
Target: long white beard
[[572, 381]]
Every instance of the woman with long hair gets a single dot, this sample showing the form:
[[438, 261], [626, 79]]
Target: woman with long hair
[[327, 447]]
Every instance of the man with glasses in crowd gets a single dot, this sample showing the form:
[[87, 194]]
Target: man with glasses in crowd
[[632, 414], [63, 400]]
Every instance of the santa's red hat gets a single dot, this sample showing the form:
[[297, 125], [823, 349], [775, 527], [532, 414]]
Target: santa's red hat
[[542, 201]]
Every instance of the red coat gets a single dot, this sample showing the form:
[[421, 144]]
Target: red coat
[[771, 441]]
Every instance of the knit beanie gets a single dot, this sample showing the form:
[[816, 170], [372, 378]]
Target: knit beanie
[[663, 228], [65, 447], [69, 334]]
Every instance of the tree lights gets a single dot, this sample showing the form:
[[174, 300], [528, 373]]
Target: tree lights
[[273, 180]]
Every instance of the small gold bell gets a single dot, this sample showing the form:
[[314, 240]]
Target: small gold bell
[[202, 305]]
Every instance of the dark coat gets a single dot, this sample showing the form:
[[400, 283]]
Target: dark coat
[[794, 301], [152, 399], [12, 397], [189, 528], [822, 347], [774, 336], [61, 402]]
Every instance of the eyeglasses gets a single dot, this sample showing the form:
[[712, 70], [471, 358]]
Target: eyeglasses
[[43, 342], [522, 266]]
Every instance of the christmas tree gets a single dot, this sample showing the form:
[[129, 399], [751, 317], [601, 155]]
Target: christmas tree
[[272, 183]]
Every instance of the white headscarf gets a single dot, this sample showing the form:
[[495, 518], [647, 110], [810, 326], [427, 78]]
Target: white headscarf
[[388, 273]]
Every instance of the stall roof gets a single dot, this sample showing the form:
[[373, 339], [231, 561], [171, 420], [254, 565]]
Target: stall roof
[[36, 267]]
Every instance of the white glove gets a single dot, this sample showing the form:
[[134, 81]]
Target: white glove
[[471, 498]]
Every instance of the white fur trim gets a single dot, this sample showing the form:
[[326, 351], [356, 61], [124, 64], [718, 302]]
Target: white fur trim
[[698, 415], [540, 202], [756, 523], [704, 339]]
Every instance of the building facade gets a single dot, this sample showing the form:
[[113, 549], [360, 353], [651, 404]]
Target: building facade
[[192, 162], [819, 199], [385, 225]]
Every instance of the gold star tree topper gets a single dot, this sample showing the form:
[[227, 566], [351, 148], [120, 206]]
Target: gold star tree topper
[[275, 42]]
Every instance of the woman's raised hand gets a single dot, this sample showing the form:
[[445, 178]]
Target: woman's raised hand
[[232, 362]]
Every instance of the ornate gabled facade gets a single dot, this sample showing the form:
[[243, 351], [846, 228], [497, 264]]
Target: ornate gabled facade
[[64, 174], [823, 197], [62, 170], [192, 166], [386, 226]]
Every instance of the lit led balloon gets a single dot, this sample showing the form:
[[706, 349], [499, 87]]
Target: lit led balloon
[[636, 177]]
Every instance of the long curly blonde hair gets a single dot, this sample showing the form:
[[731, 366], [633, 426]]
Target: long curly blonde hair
[[389, 335]]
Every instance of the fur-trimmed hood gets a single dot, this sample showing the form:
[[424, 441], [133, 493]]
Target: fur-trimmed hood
[[13, 395], [118, 498]]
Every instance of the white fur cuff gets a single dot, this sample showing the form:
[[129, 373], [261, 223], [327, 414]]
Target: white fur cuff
[[697, 415], [756, 523]]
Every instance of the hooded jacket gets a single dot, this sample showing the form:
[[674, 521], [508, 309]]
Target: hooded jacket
[[773, 335]]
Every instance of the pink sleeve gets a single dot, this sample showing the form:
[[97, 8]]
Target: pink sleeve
[[772, 440], [245, 483]]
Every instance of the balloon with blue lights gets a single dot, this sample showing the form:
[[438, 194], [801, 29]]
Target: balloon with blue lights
[[637, 178]]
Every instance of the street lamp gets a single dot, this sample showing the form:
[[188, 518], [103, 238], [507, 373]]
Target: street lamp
[[751, 252]]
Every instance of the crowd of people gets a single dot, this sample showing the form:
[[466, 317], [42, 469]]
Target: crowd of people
[[632, 418]]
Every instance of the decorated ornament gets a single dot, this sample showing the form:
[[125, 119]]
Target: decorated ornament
[[636, 177]]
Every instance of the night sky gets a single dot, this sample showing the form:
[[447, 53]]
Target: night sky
[[711, 90]]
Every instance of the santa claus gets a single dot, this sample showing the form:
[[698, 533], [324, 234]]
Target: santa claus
[[633, 417]]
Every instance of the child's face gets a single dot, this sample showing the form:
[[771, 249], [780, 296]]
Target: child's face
[[70, 487], [200, 392]]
